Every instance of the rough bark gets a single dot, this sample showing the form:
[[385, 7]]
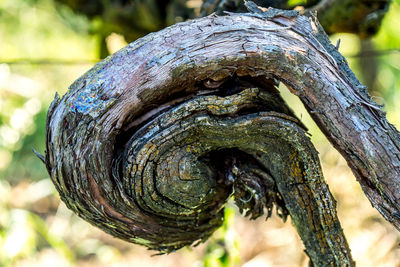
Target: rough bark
[[161, 180], [362, 17]]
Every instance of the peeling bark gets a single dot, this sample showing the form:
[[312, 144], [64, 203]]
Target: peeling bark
[[150, 143]]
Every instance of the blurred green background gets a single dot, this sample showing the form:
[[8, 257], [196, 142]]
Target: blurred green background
[[45, 46]]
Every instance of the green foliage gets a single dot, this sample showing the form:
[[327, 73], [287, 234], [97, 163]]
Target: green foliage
[[388, 38], [297, 2], [38, 31], [24, 90]]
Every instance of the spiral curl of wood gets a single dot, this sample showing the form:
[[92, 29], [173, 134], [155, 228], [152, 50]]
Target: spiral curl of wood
[[150, 143]]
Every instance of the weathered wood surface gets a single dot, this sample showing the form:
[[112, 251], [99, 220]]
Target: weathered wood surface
[[106, 137], [362, 17]]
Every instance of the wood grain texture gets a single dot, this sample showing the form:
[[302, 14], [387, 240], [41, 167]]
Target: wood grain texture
[[197, 102]]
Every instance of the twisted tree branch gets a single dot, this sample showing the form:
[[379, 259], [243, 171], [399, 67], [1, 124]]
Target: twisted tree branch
[[150, 143]]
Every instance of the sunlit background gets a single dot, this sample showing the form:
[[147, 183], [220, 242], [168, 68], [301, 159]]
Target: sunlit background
[[44, 47]]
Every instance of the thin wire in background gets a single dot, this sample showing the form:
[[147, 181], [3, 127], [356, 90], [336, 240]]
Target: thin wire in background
[[48, 61]]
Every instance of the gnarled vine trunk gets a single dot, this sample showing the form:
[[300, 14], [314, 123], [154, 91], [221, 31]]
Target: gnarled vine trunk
[[150, 143]]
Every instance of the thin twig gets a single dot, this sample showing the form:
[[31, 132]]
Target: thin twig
[[47, 61]]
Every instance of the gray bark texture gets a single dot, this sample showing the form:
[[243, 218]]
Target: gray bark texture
[[150, 143], [361, 17]]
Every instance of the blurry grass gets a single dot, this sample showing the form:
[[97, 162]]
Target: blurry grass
[[21, 238], [223, 248], [37, 230]]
